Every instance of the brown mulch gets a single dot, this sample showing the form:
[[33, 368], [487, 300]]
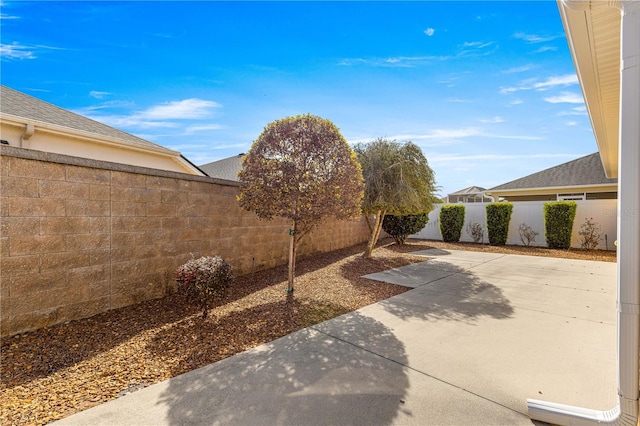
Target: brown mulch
[[54, 372]]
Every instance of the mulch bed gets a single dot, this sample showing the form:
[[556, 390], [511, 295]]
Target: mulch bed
[[54, 372]]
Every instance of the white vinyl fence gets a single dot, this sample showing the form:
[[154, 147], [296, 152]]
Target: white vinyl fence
[[603, 212]]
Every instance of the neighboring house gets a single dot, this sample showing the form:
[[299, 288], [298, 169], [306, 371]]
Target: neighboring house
[[580, 179], [604, 40], [227, 168], [472, 194], [28, 122]]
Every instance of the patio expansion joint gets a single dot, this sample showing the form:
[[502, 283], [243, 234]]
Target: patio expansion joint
[[422, 373], [565, 316]]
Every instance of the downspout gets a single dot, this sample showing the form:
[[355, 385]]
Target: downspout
[[489, 195], [628, 268], [28, 132]]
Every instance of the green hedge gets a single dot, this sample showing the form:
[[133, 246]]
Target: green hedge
[[558, 223], [498, 218], [400, 227], [451, 221]]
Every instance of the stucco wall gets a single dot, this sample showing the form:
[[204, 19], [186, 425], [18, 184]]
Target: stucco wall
[[79, 237]]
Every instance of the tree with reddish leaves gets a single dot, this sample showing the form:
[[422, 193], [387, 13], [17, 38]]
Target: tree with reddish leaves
[[302, 169]]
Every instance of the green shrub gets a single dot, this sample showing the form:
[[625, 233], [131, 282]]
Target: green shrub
[[400, 227], [498, 218], [558, 223], [203, 280], [451, 221]]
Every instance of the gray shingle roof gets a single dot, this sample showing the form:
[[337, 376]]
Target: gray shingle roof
[[227, 168], [22, 105], [469, 190], [587, 170]]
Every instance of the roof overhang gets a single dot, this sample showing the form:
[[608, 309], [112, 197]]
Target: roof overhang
[[608, 187], [593, 33]]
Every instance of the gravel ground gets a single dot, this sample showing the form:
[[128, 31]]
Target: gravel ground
[[57, 371]]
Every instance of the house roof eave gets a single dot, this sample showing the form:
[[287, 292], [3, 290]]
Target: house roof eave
[[593, 35]]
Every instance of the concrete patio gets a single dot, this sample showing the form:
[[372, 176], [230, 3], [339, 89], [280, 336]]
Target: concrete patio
[[477, 335]]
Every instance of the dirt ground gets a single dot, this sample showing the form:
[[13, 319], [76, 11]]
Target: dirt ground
[[54, 372]]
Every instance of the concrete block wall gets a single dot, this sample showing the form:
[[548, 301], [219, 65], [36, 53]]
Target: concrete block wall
[[79, 237]]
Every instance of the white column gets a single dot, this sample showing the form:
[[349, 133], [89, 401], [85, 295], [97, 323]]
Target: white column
[[628, 281], [629, 208]]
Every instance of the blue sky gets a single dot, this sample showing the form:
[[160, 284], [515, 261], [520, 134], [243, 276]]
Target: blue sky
[[487, 89]]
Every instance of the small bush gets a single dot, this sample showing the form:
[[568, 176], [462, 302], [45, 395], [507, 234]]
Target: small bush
[[590, 234], [475, 231], [498, 218], [558, 223], [527, 234], [451, 221], [400, 227], [204, 279]]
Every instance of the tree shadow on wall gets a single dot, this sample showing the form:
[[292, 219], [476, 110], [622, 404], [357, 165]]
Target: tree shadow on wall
[[303, 378]]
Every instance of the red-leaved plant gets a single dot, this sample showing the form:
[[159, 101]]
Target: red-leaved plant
[[590, 234], [203, 280]]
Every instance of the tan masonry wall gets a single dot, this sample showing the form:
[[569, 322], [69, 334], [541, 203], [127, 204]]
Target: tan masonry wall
[[79, 237]]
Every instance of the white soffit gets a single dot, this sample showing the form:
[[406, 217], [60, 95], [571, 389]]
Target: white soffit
[[593, 33]]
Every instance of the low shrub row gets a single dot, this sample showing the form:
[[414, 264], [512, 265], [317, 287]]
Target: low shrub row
[[558, 223]]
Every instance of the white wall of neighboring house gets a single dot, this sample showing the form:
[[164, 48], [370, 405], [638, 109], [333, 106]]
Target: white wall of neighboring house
[[603, 212]]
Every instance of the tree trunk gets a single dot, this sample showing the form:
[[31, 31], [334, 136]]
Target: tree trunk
[[292, 258], [377, 227]]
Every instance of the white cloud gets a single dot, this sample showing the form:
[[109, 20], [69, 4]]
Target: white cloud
[[97, 94], [571, 123], [16, 51], [534, 38], [159, 116], [204, 128], [493, 120], [505, 90], [566, 97], [536, 84], [522, 68], [467, 49], [134, 121], [21, 51], [545, 49], [391, 62], [581, 110], [440, 137], [188, 109], [477, 44], [3, 16], [562, 80], [516, 102], [456, 158], [429, 31]]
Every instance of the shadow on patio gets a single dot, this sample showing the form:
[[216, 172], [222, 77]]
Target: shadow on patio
[[303, 378]]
